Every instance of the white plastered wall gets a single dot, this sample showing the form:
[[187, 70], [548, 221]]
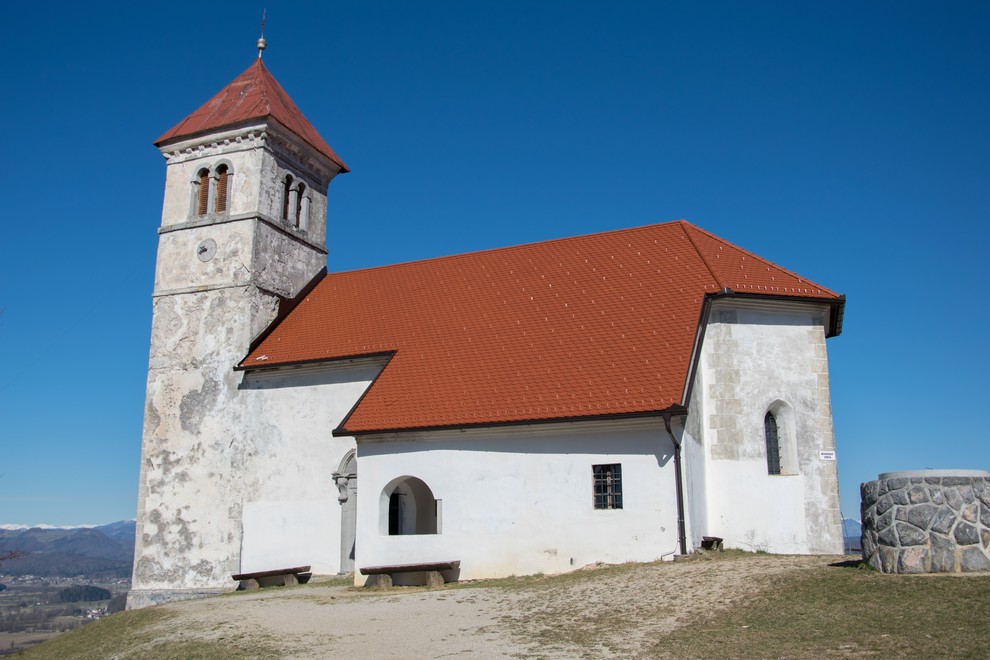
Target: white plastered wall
[[520, 501], [291, 512], [756, 356]]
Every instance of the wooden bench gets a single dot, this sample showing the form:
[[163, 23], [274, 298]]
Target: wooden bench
[[281, 577], [434, 578]]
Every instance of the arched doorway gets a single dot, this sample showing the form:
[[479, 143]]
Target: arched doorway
[[407, 506], [346, 479]]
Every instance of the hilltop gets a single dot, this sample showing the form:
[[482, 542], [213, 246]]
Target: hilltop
[[724, 604]]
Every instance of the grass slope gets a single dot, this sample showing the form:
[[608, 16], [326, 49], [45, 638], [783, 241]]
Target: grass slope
[[847, 611], [814, 610]]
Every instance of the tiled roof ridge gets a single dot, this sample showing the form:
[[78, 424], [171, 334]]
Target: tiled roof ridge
[[508, 248], [760, 259], [683, 224]]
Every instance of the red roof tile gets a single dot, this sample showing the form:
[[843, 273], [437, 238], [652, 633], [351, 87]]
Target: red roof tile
[[252, 95], [585, 326]]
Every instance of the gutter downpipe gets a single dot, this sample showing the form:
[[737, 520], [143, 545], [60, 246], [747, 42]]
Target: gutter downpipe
[[681, 534]]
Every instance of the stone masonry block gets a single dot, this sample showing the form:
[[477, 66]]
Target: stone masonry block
[[953, 498], [970, 512], [911, 535], [943, 554], [868, 492], [888, 559], [966, 534], [981, 488], [897, 484], [913, 560], [921, 516], [973, 559], [730, 407], [886, 520], [967, 494], [887, 538], [918, 495], [944, 520], [899, 496]]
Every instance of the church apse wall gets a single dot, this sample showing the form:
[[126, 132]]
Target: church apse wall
[[759, 359]]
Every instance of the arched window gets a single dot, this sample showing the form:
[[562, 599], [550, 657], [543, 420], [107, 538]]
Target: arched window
[[407, 506], [203, 192], [773, 443], [286, 192], [223, 174], [299, 204]]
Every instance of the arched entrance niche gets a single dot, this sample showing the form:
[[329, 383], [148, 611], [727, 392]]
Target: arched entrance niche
[[346, 479], [407, 506]]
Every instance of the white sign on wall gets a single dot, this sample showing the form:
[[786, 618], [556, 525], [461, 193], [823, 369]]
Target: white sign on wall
[[826, 455]]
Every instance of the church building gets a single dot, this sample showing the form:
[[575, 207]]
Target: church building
[[609, 398]]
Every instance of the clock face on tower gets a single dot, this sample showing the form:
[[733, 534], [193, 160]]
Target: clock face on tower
[[206, 249]]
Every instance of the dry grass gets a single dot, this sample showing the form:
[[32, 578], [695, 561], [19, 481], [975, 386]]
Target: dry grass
[[150, 634], [846, 611], [723, 605]]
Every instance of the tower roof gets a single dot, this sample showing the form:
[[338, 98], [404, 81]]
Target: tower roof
[[254, 94]]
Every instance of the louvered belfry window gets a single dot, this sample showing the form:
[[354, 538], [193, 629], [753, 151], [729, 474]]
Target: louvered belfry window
[[203, 192], [222, 176], [773, 444]]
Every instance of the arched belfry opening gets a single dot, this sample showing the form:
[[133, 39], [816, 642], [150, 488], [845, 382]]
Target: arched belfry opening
[[407, 506]]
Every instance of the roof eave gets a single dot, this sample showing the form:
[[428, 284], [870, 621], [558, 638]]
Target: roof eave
[[673, 409]]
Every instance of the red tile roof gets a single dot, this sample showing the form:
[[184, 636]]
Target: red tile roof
[[586, 326], [254, 94]]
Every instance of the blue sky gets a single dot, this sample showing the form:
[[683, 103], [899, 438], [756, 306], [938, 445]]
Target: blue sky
[[846, 141]]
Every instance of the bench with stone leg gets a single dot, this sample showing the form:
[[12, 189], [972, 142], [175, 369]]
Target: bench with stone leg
[[383, 575], [281, 577]]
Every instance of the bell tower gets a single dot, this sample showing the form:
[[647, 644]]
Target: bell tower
[[243, 229]]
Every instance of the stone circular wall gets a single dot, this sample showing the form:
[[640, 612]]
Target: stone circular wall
[[927, 521]]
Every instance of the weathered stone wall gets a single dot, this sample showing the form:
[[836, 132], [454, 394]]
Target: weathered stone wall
[[927, 524], [209, 450]]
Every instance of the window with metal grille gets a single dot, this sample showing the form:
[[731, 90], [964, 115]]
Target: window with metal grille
[[608, 485], [773, 443], [203, 192], [222, 177]]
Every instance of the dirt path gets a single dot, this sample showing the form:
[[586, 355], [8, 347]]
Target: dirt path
[[614, 612]]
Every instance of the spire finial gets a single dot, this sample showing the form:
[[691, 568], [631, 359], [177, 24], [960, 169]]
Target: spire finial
[[261, 40]]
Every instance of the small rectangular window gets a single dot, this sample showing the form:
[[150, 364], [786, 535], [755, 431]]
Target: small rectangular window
[[608, 485]]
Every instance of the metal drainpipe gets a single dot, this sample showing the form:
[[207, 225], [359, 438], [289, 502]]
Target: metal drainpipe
[[681, 534]]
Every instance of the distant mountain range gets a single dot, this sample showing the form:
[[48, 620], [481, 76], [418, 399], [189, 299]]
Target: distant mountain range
[[105, 551]]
